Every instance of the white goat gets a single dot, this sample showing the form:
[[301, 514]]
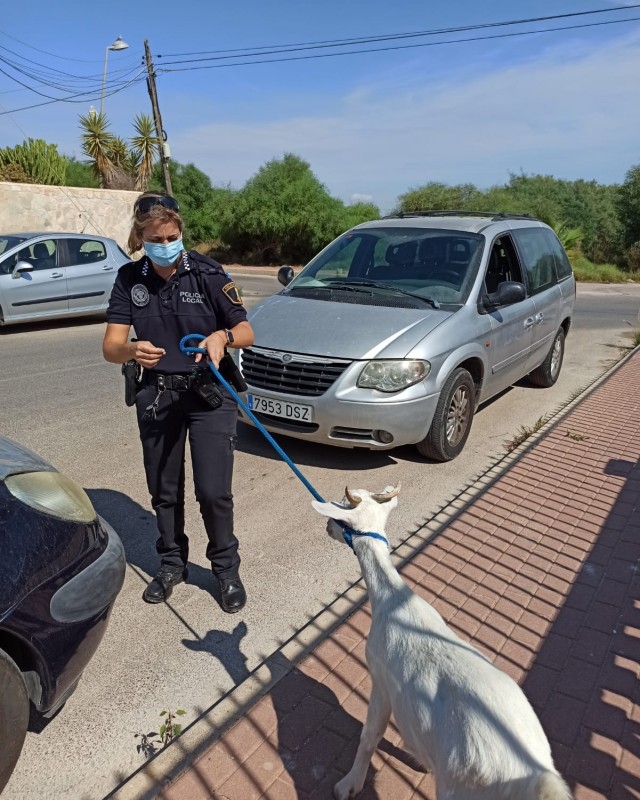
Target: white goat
[[462, 718]]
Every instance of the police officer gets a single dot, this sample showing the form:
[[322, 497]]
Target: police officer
[[165, 295]]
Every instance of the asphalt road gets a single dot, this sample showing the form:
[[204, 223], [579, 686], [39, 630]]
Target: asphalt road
[[60, 398]]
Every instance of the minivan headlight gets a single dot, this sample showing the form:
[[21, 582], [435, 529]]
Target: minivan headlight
[[392, 376], [52, 493]]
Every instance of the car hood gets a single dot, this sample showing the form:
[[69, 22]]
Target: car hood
[[15, 458], [341, 330]]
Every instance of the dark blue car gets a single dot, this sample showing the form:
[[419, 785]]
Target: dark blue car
[[61, 568]]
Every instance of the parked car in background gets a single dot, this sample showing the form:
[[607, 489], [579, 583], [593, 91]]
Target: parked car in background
[[54, 275], [61, 569], [401, 327]]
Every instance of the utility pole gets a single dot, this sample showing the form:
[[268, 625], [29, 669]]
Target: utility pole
[[157, 119]]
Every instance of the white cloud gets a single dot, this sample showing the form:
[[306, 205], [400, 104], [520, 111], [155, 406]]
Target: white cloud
[[361, 198], [572, 113]]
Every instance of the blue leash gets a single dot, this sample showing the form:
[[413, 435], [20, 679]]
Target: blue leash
[[347, 532], [188, 351]]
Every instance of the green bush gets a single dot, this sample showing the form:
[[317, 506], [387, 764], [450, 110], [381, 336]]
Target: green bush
[[282, 214], [585, 270], [37, 159]]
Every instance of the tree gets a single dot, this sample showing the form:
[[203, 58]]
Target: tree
[[356, 213], [145, 146], [36, 159], [283, 213], [116, 163], [434, 196], [628, 205], [200, 203], [79, 173]]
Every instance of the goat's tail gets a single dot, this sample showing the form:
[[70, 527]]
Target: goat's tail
[[550, 786]]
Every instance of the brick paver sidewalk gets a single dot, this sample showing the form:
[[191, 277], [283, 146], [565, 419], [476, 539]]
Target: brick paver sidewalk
[[540, 571]]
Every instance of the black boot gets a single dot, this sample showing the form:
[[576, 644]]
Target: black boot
[[233, 594], [162, 585]]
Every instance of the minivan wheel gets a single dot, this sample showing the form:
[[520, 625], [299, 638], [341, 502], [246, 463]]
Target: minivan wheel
[[548, 372], [452, 419], [14, 716]]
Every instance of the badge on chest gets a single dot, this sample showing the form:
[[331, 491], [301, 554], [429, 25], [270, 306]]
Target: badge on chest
[[140, 295]]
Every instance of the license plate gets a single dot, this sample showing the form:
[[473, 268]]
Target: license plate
[[280, 408]]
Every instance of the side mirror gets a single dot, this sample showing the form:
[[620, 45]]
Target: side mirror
[[507, 293], [286, 275], [21, 266]]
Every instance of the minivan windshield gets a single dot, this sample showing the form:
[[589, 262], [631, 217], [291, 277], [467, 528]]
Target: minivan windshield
[[437, 267]]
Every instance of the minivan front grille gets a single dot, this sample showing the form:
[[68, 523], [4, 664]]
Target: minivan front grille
[[290, 373]]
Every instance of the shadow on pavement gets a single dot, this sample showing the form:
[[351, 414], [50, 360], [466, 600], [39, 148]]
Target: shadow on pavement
[[136, 526], [592, 656]]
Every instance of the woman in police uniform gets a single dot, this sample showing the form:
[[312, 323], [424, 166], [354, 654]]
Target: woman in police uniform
[[165, 295]]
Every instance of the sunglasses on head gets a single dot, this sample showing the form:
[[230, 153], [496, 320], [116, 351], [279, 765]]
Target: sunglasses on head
[[144, 204]]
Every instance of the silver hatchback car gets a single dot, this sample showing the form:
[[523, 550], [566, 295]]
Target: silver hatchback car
[[401, 327], [52, 275]]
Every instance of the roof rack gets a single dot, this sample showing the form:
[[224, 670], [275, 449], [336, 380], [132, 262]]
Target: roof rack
[[460, 213]]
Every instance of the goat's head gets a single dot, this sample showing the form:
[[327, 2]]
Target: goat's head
[[360, 509]]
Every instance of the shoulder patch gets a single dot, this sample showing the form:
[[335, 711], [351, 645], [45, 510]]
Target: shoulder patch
[[231, 290]]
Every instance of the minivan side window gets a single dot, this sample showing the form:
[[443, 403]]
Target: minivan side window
[[503, 264], [539, 262], [563, 265]]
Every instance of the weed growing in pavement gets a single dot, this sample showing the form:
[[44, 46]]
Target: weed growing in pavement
[[169, 730], [577, 437], [525, 432]]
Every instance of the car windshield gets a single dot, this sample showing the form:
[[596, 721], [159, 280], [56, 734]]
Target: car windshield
[[437, 266], [7, 242]]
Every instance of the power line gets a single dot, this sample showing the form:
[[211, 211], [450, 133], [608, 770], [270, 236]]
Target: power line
[[395, 47], [274, 49], [82, 95], [50, 84], [46, 52]]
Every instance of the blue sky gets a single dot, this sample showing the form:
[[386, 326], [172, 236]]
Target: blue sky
[[371, 125]]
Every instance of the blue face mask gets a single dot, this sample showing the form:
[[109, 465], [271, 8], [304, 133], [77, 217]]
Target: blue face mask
[[164, 255]]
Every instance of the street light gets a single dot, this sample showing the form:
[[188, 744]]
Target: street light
[[117, 45]]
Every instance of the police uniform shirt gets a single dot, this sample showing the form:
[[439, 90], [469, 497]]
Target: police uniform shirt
[[199, 298]]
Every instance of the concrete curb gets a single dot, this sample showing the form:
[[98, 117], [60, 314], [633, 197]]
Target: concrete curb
[[164, 768]]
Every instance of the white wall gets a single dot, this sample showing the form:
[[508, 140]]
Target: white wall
[[65, 209]]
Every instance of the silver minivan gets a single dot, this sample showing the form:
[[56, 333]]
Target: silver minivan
[[399, 329]]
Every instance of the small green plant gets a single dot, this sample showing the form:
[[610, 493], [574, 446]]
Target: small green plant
[[525, 432], [169, 730]]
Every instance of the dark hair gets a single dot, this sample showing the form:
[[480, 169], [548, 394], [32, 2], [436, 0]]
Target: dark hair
[[152, 205]]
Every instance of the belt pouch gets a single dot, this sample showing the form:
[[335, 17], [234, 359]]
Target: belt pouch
[[230, 372], [203, 385], [132, 372]]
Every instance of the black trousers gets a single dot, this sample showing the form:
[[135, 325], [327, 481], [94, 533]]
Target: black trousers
[[212, 439]]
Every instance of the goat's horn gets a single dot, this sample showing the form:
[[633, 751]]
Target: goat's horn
[[353, 499], [386, 496]]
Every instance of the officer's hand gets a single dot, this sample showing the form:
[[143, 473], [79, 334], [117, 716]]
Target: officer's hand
[[147, 355], [214, 345]]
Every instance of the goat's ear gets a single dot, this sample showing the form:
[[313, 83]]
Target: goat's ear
[[333, 511]]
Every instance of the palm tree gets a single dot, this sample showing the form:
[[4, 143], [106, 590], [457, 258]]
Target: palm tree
[[96, 143], [117, 164], [146, 148], [570, 238], [124, 175]]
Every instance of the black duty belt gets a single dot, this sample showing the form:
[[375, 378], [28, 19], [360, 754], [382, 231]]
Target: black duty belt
[[178, 382]]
